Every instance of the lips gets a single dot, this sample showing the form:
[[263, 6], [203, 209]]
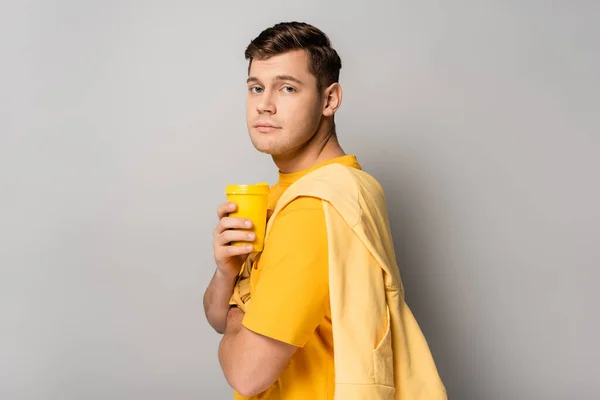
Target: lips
[[266, 127]]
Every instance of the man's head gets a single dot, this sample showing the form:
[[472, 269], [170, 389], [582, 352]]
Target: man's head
[[293, 87]]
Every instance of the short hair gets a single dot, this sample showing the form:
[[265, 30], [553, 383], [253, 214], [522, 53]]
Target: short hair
[[324, 62]]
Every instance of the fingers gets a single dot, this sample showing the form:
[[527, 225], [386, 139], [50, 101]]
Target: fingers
[[231, 229], [226, 252], [232, 223], [225, 209], [234, 236]]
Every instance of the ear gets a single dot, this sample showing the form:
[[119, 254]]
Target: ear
[[332, 99]]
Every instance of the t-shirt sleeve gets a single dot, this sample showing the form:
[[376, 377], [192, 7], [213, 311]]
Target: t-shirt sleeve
[[292, 290]]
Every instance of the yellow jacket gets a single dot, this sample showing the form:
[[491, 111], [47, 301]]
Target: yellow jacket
[[379, 349]]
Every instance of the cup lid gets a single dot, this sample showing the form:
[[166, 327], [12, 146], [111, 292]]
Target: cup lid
[[257, 188]]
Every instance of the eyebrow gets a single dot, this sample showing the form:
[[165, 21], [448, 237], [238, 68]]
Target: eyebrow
[[277, 78]]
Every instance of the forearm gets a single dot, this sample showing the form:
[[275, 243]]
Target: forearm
[[216, 299], [232, 352], [251, 362], [228, 342]]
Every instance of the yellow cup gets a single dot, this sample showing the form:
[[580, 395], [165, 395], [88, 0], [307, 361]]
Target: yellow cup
[[251, 203]]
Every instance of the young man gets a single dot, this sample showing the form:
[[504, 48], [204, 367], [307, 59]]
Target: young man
[[282, 347]]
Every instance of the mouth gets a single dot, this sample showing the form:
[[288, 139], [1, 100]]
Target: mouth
[[264, 127]]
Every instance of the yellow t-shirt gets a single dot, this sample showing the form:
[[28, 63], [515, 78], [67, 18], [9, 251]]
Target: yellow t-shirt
[[289, 287]]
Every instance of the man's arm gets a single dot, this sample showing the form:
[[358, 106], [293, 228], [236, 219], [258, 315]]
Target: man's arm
[[251, 362], [289, 300], [216, 299], [229, 261]]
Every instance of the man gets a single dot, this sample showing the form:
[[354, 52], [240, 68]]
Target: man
[[282, 348]]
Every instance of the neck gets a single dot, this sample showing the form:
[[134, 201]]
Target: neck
[[322, 147]]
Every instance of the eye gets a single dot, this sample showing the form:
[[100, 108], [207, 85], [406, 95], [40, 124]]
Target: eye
[[255, 90], [288, 89]]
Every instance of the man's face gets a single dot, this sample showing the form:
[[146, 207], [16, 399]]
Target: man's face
[[283, 106]]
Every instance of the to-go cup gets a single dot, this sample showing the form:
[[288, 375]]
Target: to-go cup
[[251, 203]]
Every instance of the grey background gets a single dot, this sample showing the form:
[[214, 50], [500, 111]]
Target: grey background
[[121, 122]]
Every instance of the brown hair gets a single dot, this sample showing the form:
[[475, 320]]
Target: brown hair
[[324, 64]]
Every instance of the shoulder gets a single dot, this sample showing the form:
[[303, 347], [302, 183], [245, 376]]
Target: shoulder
[[347, 189], [303, 206], [337, 180]]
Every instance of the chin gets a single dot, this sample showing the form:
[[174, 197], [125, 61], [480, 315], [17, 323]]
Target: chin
[[264, 150], [264, 144]]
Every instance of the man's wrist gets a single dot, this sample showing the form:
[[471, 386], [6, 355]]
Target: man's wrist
[[226, 274]]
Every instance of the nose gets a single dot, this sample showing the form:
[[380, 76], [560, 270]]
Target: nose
[[266, 104]]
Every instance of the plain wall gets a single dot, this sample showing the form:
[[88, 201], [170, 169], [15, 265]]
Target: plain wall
[[121, 122]]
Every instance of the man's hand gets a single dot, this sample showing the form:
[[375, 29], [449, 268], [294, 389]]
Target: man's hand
[[229, 261], [230, 258]]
